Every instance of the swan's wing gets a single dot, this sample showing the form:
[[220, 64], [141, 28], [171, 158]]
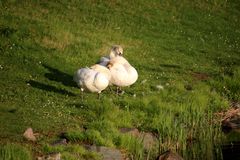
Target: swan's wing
[[100, 81], [103, 61], [119, 74], [103, 70], [79, 75], [89, 80]]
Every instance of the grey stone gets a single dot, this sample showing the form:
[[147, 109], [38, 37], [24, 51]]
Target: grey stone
[[60, 142], [106, 152], [28, 134], [149, 140], [52, 156], [131, 131]]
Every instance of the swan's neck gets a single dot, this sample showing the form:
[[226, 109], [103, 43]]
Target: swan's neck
[[112, 54]]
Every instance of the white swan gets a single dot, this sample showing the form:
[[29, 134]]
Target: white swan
[[123, 74], [102, 69], [115, 51], [91, 80]]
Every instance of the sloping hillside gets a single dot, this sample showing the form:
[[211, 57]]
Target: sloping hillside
[[191, 49]]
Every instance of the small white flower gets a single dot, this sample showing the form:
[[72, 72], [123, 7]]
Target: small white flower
[[160, 87], [144, 81]]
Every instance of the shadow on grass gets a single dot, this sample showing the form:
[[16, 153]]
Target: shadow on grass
[[6, 31], [59, 76], [49, 88], [171, 66], [162, 67]]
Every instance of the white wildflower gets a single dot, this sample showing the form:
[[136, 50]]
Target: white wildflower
[[160, 87]]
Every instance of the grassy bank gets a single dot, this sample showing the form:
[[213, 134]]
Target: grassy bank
[[191, 48]]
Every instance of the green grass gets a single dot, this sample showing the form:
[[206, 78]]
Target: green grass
[[189, 47], [13, 151], [72, 152]]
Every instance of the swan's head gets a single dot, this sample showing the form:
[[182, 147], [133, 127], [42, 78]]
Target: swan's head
[[116, 50]]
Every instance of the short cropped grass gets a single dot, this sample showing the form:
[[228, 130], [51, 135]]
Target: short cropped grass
[[188, 48]]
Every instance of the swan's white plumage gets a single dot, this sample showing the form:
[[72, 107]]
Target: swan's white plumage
[[102, 69], [112, 69], [123, 74], [90, 80]]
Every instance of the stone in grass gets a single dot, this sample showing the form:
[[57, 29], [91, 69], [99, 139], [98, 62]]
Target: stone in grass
[[106, 152], [149, 140], [131, 131], [62, 141], [231, 120], [28, 134], [52, 156], [231, 124], [169, 155]]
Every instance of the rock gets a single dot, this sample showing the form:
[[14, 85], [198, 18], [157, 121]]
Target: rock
[[169, 155], [52, 156], [131, 131], [149, 140], [28, 134], [231, 120], [60, 142], [106, 152], [232, 123]]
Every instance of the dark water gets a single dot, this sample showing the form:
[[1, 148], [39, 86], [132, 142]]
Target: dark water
[[231, 148], [231, 151]]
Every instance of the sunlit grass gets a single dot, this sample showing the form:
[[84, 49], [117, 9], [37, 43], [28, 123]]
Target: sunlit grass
[[14, 151], [73, 152], [189, 48]]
